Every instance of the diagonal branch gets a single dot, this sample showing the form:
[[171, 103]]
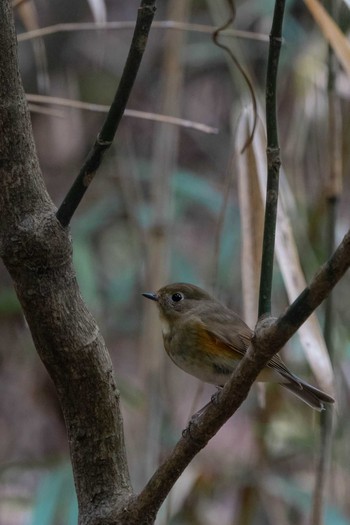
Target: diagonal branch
[[100, 108], [105, 137], [270, 336]]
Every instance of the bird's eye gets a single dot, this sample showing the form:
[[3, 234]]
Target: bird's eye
[[176, 297]]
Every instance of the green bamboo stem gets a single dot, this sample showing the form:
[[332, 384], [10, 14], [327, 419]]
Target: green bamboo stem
[[273, 161]]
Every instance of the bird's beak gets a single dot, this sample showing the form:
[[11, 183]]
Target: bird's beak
[[150, 295]]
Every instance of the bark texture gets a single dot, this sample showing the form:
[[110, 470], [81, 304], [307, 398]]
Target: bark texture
[[38, 254]]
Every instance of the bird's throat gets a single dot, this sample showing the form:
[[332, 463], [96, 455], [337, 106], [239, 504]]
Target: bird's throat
[[165, 326]]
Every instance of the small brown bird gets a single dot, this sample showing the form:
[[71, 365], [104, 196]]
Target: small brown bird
[[206, 339]]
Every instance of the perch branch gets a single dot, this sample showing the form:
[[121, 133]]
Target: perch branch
[[270, 336]]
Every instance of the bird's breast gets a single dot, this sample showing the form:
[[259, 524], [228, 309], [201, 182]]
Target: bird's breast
[[187, 351]]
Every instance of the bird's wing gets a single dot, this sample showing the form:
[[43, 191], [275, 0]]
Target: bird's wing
[[277, 364], [225, 331], [229, 333]]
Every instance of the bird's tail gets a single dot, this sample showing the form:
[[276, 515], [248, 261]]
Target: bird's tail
[[311, 395]]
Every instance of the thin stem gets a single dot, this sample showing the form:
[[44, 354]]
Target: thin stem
[[100, 108], [273, 161], [334, 189], [332, 204], [105, 137], [160, 24], [326, 417], [216, 35]]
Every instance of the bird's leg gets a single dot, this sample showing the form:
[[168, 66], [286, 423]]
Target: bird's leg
[[194, 419], [215, 397]]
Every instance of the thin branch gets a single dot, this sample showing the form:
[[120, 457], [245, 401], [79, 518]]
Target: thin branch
[[39, 108], [155, 117], [273, 161], [270, 336], [160, 24], [105, 137]]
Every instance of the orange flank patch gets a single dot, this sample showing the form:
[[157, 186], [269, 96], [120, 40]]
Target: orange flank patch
[[216, 347]]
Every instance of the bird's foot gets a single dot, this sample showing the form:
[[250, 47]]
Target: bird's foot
[[215, 397], [195, 418]]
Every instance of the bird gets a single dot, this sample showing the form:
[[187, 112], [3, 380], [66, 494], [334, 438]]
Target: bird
[[207, 339]]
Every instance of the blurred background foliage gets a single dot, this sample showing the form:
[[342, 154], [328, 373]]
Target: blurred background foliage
[[165, 208]]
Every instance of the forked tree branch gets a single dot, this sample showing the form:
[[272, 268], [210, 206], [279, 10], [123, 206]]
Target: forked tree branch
[[37, 252]]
